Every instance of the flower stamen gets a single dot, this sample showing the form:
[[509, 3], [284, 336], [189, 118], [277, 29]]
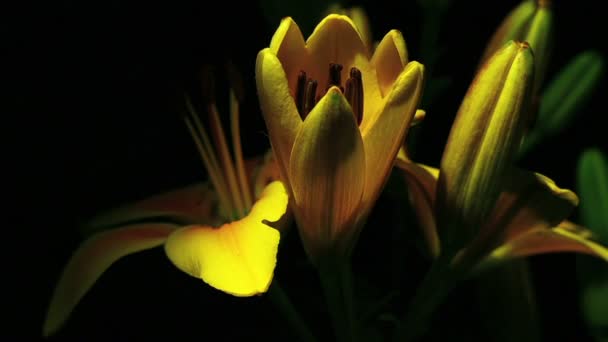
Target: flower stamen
[[306, 90], [354, 93], [228, 178], [335, 76]]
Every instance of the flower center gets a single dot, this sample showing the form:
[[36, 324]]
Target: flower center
[[306, 90]]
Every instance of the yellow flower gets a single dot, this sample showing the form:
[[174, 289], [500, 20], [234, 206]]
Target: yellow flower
[[335, 141], [224, 236], [359, 17], [478, 208]]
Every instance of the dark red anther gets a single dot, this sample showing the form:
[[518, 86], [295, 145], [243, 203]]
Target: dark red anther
[[354, 93], [301, 93], [311, 93]]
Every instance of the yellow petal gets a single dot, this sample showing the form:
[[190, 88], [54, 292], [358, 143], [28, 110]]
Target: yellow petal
[[193, 203], [336, 40], [529, 202], [389, 59], [383, 137], [91, 259], [359, 17], [327, 171], [288, 45], [484, 138], [272, 203], [567, 237], [278, 107], [239, 257], [421, 184], [418, 117]]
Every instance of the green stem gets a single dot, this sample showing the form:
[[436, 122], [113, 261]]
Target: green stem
[[336, 280], [431, 292], [281, 301]]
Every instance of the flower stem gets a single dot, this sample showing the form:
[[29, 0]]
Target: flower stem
[[431, 292], [336, 279], [281, 301]]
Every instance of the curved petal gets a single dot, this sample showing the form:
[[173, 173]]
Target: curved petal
[[288, 45], [389, 59], [278, 107], [91, 259], [334, 40], [528, 203], [359, 17], [239, 257], [421, 184], [272, 203], [418, 117], [383, 137], [567, 237], [327, 173], [337, 40], [193, 203]]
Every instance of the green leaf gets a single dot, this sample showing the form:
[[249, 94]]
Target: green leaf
[[593, 277], [592, 187], [566, 96]]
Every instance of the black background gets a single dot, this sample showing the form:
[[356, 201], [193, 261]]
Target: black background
[[91, 117]]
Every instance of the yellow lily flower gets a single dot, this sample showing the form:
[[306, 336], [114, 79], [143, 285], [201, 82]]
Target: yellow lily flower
[[478, 209], [359, 17], [335, 143], [226, 235]]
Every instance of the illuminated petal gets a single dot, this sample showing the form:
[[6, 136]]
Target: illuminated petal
[[418, 117], [336, 40], [484, 138], [567, 237], [421, 184], [383, 137], [239, 257], [278, 107], [327, 171], [91, 259], [389, 59], [272, 203], [288, 45], [194, 203]]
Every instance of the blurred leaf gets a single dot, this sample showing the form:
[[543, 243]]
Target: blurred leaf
[[592, 186], [565, 96], [593, 275]]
